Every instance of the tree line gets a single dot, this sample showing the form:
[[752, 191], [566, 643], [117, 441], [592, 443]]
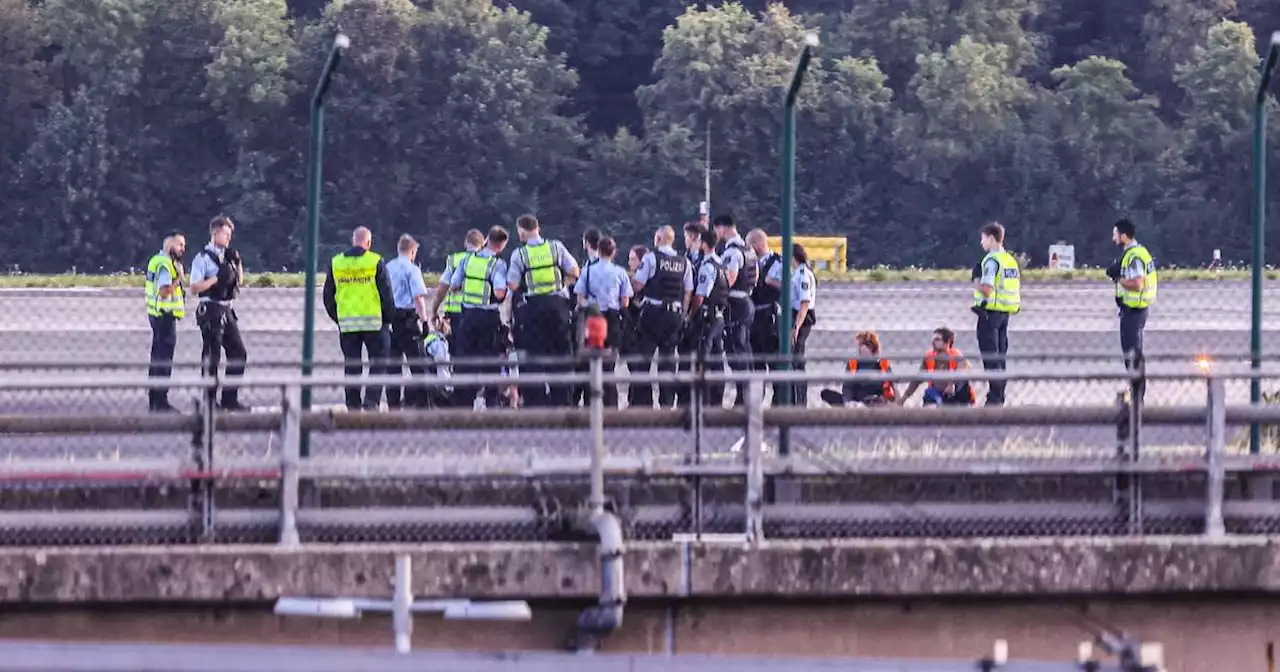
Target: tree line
[[920, 119]]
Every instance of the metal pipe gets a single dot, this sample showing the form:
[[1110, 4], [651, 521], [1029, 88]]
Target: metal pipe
[[402, 605], [604, 618], [1214, 527], [597, 434]]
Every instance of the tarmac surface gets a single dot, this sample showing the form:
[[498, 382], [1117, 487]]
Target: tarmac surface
[[52, 333]]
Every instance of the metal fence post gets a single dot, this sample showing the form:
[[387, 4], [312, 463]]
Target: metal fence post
[[597, 433], [402, 605], [291, 451], [1214, 527], [753, 448]]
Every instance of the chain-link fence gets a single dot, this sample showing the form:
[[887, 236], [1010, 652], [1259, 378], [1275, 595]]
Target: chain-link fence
[[84, 464]]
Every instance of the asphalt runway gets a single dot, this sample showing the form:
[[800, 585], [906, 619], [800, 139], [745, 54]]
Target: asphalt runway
[[96, 328]]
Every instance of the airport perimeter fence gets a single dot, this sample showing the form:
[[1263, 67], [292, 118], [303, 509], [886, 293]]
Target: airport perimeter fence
[[82, 462], [1060, 320]]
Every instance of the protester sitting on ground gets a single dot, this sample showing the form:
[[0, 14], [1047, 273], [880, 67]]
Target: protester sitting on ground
[[858, 393], [946, 357]]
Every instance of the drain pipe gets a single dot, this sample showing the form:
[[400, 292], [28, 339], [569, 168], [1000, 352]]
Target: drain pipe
[[605, 617]]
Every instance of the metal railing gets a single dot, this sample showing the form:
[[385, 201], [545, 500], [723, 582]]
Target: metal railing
[[769, 498]]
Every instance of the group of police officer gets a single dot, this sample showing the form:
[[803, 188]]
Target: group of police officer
[[718, 301]]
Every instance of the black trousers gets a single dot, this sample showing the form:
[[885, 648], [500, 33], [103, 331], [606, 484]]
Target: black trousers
[[614, 342], [738, 322], [705, 337], [658, 329], [545, 330], [1133, 322], [993, 343], [406, 344], [764, 341], [477, 338], [164, 340], [377, 344], [800, 391], [220, 331]]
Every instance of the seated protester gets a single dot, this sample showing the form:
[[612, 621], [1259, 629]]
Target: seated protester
[[865, 392], [437, 347], [509, 396], [943, 356]]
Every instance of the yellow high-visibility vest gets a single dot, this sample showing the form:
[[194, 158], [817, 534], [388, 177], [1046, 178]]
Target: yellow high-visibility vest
[[477, 280], [453, 300], [1147, 295], [542, 274], [359, 305], [158, 305], [1006, 295]]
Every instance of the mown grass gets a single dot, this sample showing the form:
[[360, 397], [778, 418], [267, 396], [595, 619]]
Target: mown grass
[[853, 276]]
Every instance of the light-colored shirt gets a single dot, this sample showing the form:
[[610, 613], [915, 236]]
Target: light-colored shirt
[[649, 266], [775, 272], [990, 269], [498, 277], [605, 284], [707, 273], [406, 282], [1135, 269], [203, 268], [804, 287], [438, 351], [559, 256], [732, 256]]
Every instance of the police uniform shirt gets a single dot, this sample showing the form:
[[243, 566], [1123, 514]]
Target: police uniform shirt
[[733, 260], [406, 282], [649, 266], [499, 277], [203, 268], [604, 284], [775, 272], [1135, 269], [707, 273], [991, 269], [804, 287], [559, 256]]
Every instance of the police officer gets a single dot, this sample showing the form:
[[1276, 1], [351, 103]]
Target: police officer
[[996, 298], [481, 278], [449, 300], [741, 267], [665, 277], [706, 314], [590, 245], [803, 299], [166, 301], [765, 299], [605, 286], [1136, 284], [216, 275], [689, 343], [410, 294], [358, 297], [542, 270]]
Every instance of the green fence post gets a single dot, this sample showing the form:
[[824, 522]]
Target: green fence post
[[314, 180], [788, 224], [1259, 229]]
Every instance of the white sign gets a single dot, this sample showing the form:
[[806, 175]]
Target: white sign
[[1062, 257]]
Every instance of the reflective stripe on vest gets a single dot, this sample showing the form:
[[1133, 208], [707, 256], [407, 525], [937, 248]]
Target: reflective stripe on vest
[[453, 300], [477, 280], [359, 305], [886, 387], [1006, 294], [158, 305], [542, 274], [1147, 295]]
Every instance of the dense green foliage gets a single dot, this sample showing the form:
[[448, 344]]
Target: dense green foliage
[[123, 119]]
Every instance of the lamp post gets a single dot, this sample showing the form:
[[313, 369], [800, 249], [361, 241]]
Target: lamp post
[[340, 44], [1259, 229], [788, 222]]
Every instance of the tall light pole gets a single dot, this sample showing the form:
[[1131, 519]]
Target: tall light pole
[[340, 44], [1259, 231], [788, 221]]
